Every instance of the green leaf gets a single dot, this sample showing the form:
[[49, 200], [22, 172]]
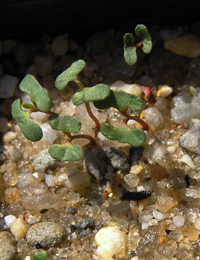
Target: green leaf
[[142, 32], [96, 93], [121, 101], [130, 54], [65, 123], [66, 152], [40, 255], [29, 129], [37, 94], [135, 137], [69, 74], [29, 106]]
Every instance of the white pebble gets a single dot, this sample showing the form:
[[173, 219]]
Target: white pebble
[[197, 223], [145, 225], [49, 134], [153, 117], [145, 218], [111, 241], [187, 160], [19, 229], [159, 215], [179, 221], [171, 149], [9, 220]]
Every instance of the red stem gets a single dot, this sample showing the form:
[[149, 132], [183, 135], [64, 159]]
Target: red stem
[[92, 116], [140, 121], [89, 137], [139, 44]]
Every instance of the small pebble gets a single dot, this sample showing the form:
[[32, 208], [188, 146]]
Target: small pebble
[[9, 220], [9, 136], [111, 242], [19, 229], [7, 246], [3, 124], [197, 223], [179, 221], [60, 45], [8, 85], [188, 46], [187, 160], [136, 169], [164, 91]]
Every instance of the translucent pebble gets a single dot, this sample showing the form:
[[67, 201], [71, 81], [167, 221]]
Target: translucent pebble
[[165, 90], [9, 220], [25, 180], [111, 242], [38, 116], [105, 217], [153, 117], [19, 229], [161, 103], [75, 179], [167, 199], [162, 157], [145, 218], [131, 180], [171, 149], [159, 215], [49, 134], [10, 178], [179, 221]]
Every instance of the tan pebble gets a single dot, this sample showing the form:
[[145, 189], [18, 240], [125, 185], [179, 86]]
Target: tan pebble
[[188, 46], [9, 136], [162, 240], [136, 169], [190, 232], [164, 91], [157, 171], [167, 199], [19, 229]]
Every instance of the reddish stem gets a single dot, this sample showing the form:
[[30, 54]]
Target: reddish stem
[[87, 105], [89, 137], [139, 44]]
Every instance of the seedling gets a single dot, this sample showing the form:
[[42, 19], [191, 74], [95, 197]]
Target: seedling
[[102, 97], [130, 54]]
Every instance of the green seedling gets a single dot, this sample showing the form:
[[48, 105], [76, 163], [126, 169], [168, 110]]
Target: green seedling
[[40, 255], [130, 54], [102, 97]]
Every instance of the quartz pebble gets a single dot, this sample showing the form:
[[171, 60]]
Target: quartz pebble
[[179, 221], [7, 246], [74, 179], [19, 229], [49, 134], [191, 139], [112, 243], [167, 199], [188, 46], [153, 117], [187, 160], [9, 136], [8, 85], [47, 234], [131, 179], [164, 90]]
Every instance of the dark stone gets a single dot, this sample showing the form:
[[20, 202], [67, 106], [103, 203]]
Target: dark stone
[[136, 195], [118, 159], [43, 211], [135, 153], [72, 211], [95, 161], [86, 226]]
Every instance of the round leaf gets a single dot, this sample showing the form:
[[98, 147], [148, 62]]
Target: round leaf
[[69, 74], [130, 55], [29, 129], [96, 93], [66, 152], [65, 123], [37, 94], [121, 101], [142, 32], [135, 137], [40, 255]]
